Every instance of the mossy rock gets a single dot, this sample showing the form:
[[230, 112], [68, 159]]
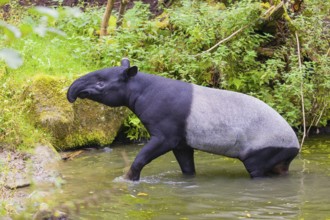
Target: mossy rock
[[83, 123]]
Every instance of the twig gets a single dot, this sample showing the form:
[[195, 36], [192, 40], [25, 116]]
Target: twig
[[223, 40], [271, 10], [318, 118], [301, 91], [71, 155], [125, 158], [310, 126], [328, 52]]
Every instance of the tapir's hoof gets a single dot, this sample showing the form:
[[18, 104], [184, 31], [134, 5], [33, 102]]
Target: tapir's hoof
[[131, 177]]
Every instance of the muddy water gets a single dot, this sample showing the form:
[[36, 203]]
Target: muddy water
[[221, 189]]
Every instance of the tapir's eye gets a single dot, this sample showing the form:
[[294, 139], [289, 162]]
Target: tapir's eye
[[100, 84]]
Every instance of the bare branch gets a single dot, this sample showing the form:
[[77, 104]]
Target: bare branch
[[266, 15], [122, 9], [223, 40], [301, 91], [106, 17]]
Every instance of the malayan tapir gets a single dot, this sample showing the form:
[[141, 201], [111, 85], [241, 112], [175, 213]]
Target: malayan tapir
[[182, 117]]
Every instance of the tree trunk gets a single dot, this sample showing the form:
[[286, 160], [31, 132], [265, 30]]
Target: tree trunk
[[122, 9], [106, 17]]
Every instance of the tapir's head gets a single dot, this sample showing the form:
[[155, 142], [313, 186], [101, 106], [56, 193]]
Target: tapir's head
[[107, 86]]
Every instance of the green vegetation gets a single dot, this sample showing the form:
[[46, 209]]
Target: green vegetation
[[172, 45], [57, 46]]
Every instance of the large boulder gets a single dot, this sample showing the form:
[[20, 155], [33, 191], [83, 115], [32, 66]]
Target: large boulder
[[83, 123]]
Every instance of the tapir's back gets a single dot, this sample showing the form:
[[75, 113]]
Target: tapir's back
[[233, 124]]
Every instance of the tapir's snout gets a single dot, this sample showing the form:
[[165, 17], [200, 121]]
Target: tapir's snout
[[82, 88], [73, 91], [71, 100]]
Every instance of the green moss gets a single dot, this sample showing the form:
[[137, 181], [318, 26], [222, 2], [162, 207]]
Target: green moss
[[16, 131], [94, 124], [97, 137], [38, 113], [70, 125]]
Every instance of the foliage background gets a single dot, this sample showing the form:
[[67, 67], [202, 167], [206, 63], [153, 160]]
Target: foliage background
[[68, 45]]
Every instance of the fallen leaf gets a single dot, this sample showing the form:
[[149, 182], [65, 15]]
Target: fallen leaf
[[142, 194]]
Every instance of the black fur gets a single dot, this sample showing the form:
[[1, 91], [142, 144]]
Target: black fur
[[269, 161]]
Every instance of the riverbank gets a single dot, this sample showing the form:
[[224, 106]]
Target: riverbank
[[25, 169]]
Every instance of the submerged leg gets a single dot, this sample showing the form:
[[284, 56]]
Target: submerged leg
[[185, 158], [269, 161], [153, 149]]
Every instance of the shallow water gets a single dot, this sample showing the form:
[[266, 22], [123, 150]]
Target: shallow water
[[222, 189]]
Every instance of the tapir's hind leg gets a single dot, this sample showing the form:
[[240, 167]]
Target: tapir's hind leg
[[269, 161], [185, 158]]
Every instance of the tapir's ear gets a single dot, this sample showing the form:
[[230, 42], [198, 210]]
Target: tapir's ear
[[125, 62], [130, 72]]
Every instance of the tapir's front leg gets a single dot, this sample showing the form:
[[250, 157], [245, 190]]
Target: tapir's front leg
[[153, 149]]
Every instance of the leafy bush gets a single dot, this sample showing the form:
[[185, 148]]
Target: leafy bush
[[236, 65], [173, 46]]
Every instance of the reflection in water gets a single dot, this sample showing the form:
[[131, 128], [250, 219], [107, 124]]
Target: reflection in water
[[221, 189]]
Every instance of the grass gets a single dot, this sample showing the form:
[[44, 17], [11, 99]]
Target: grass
[[51, 55]]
